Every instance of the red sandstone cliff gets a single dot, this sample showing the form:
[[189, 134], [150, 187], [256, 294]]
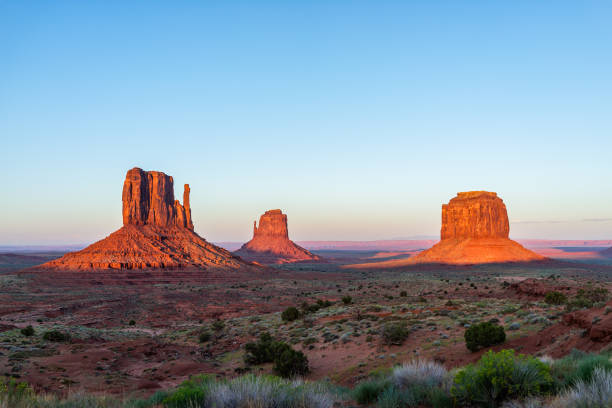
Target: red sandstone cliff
[[271, 243], [157, 232], [474, 230]]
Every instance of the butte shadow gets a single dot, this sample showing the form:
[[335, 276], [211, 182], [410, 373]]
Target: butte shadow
[[475, 230], [271, 243], [157, 233]]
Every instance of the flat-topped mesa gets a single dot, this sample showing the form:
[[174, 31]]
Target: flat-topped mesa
[[271, 243], [475, 214], [148, 199], [475, 230]]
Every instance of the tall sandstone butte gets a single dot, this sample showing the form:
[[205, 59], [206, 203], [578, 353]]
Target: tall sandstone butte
[[157, 233], [271, 243], [475, 230]]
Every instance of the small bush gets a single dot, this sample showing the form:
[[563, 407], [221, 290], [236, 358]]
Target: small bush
[[27, 331], [218, 325], [287, 362], [132, 322], [403, 293], [484, 335], [56, 336], [13, 391], [368, 391], [578, 366], [596, 393], [593, 294], [290, 314], [555, 298], [498, 377], [290, 363], [204, 337], [419, 372], [394, 333], [347, 300]]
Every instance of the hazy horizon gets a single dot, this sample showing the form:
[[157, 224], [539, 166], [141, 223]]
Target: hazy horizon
[[358, 122]]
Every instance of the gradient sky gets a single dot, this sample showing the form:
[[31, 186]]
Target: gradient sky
[[358, 119]]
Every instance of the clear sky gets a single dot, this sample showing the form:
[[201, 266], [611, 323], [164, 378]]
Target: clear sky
[[357, 118]]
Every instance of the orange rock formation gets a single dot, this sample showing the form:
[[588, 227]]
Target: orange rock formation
[[474, 230], [271, 243], [157, 232]]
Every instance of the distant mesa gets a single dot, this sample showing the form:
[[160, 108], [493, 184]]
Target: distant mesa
[[475, 230], [271, 243], [157, 233], [607, 252]]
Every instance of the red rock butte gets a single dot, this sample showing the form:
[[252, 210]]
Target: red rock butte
[[271, 243], [157, 233], [475, 230]]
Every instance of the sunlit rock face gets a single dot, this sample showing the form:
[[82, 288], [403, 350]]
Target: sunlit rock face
[[271, 243], [157, 233], [475, 230], [148, 199], [475, 214]]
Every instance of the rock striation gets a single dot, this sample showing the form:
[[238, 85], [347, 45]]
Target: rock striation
[[157, 233], [475, 230], [607, 253], [271, 243], [474, 214]]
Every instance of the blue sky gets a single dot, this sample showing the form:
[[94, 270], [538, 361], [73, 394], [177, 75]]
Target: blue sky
[[358, 119]]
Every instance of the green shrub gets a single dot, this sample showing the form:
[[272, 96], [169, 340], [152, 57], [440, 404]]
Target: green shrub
[[290, 314], [260, 352], [190, 393], [218, 325], [498, 377], [593, 294], [390, 397], [132, 322], [185, 398], [579, 303], [287, 362], [56, 336], [403, 293], [484, 335], [290, 363], [394, 333], [555, 298], [347, 300], [578, 366], [13, 391], [27, 331], [204, 337], [368, 391]]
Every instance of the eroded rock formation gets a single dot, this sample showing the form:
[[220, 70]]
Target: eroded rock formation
[[474, 214], [148, 199], [271, 243], [157, 232], [474, 230]]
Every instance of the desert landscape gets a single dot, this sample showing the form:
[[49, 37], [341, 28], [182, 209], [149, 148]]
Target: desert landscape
[[305, 204], [141, 312]]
